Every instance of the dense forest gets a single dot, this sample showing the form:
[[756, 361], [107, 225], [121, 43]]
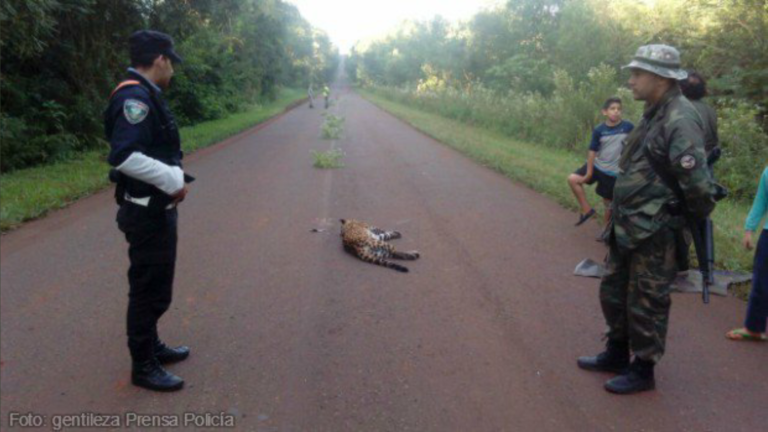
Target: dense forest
[[61, 59], [539, 69]]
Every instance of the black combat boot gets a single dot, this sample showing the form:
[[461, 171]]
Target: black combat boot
[[166, 354], [614, 359], [150, 375], [639, 378]]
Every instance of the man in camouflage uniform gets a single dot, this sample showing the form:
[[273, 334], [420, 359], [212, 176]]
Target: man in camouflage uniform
[[634, 293]]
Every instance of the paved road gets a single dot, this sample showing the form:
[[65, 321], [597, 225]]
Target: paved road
[[290, 334]]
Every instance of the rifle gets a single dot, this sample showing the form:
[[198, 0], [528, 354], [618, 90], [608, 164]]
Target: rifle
[[702, 230]]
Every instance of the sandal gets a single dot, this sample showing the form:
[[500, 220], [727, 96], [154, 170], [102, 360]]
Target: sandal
[[742, 334], [583, 218]]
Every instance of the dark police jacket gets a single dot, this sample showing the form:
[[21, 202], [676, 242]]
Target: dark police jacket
[[156, 135]]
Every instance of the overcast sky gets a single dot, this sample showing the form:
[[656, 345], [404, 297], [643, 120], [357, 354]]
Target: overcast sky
[[347, 21]]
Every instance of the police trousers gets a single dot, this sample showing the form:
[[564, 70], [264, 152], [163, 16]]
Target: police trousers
[[152, 241], [635, 294]]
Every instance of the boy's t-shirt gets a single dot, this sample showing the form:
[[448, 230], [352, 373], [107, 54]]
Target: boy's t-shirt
[[608, 142]]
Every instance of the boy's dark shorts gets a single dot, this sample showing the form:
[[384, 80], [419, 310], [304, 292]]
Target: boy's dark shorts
[[605, 182]]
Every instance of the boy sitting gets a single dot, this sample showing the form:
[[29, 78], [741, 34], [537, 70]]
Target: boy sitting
[[603, 160]]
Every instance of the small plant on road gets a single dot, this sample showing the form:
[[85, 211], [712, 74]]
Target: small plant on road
[[328, 159], [332, 127]]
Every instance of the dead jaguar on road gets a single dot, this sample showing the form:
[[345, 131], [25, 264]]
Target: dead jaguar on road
[[370, 244]]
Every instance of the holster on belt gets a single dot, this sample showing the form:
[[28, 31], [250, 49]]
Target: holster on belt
[[159, 203], [119, 180], [682, 237]]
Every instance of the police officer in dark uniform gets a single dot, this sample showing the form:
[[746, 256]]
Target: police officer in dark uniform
[[146, 156]]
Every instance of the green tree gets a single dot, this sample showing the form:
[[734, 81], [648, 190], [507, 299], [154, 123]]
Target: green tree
[[63, 58]]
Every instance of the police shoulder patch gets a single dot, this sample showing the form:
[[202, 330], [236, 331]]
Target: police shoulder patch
[[688, 162], [135, 111]]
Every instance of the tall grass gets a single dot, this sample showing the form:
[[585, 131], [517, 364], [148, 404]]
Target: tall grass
[[565, 119]]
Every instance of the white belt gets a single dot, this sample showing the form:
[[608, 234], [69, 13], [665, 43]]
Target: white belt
[[144, 202]]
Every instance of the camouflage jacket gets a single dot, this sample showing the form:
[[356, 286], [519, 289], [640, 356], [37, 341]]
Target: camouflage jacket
[[672, 131], [709, 121]]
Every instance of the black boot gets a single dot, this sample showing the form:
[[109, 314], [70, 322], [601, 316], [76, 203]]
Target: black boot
[[166, 354], [150, 375], [614, 359], [639, 378]]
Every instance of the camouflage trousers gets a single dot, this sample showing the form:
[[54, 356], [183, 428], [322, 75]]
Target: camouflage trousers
[[634, 294]]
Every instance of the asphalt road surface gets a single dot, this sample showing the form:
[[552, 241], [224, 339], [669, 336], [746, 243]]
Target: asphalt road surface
[[289, 333]]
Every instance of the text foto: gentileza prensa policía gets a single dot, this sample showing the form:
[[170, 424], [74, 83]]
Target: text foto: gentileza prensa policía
[[59, 422]]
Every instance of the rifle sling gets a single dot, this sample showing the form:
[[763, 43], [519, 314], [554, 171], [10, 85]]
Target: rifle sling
[[693, 224]]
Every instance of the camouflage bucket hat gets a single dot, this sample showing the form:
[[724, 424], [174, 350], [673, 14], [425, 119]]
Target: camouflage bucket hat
[[662, 60]]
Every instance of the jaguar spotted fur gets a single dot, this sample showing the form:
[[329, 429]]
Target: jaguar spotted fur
[[370, 244]]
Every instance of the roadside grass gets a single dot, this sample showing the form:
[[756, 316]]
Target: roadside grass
[[545, 170], [328, 159], [31, 193]]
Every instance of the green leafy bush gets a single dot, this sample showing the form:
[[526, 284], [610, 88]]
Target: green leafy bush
[[745, 148], [44, 135], [521, 73], [332, 127], [328, 159]]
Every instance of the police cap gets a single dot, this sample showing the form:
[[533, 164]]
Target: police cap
[[146, 43]]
